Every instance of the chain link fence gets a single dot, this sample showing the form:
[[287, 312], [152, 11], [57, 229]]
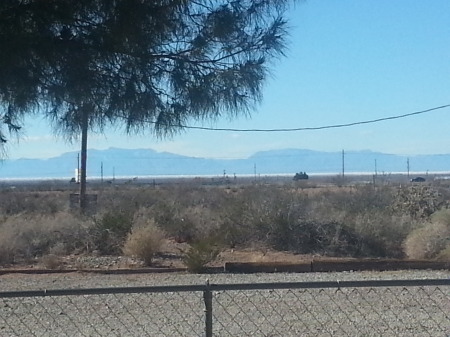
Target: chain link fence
[[351, 308]]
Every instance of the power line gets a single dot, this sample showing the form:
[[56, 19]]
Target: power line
[[333, 126]]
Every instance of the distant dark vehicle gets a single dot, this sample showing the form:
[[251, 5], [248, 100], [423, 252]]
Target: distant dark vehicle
[[301, 176], [417, 180]]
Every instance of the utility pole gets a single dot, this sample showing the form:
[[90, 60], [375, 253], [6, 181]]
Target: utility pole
[[407, 166], [101, 172], [376, 173], [343, 165]]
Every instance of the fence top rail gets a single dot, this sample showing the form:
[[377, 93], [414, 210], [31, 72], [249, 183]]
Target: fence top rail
[[333, 284], [219, 287], [104, 291]]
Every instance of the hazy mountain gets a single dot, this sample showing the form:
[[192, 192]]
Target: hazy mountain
[[139, 162]]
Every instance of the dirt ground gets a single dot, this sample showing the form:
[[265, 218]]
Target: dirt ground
[[170, 257], [173, 252]]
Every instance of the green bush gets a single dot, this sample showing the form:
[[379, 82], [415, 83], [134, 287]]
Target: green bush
[[110, 232], [199, 254]]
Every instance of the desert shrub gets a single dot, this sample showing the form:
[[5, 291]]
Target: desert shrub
[[358, 199], [199, 221], [286, 220], [63, 248], [308, 237], [427, 242], [419, 202], [442, 216], [144, 243], [234, 228], [365, 219], [51, 261], [188, 213], [26, 236], [9, 248], [128, 199], [380, 234], [254, 214], [110, 231], [444, 255], [431, 239], [16, 202], [344, 222], [168, 216], [200, 254]]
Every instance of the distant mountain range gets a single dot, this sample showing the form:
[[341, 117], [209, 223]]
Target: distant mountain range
[[146, 162]]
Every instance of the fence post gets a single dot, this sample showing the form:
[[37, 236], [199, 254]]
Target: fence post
[[207, 297]]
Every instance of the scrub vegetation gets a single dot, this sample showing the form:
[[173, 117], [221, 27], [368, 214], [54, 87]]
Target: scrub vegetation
[[389, 221]]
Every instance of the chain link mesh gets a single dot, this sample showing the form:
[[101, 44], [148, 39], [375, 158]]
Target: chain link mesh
[[412, 311], [244, 310], [148, 314]]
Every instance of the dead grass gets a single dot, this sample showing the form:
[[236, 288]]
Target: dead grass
[[144, 243], [51, 261], [432, 240]]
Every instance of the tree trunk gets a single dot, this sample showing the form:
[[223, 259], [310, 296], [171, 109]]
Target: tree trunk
[[84, 135]]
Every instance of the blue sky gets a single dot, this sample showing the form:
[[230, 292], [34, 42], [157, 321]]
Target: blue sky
[[348, 61]]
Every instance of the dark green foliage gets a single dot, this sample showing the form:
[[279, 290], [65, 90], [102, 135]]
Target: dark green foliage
[[163, 62], [144, 65]]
